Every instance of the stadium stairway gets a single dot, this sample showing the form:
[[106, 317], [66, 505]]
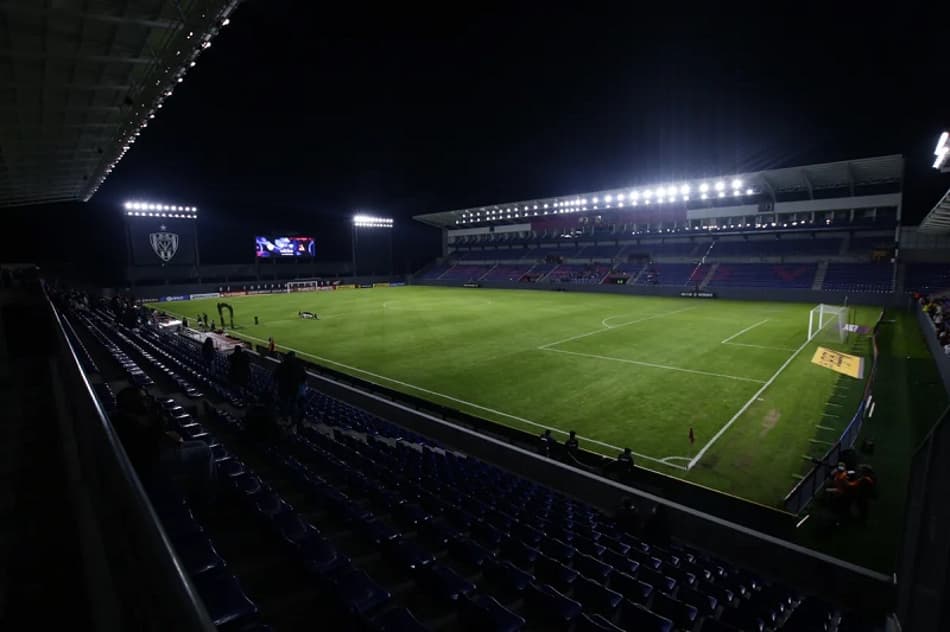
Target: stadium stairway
[[820, 275], [356, 524], [709, 275]]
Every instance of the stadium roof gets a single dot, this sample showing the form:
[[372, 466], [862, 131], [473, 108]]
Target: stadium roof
[[78, 80], [807, 180], [938, 219]]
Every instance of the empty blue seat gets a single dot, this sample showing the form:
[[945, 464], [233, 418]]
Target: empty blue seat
[[447, 583], [518, 552], [481, 613], [595, 597], [631, 588], [558, 550], [408, 554], [551, 571], [620, 562], [224, 598], [399, 620], [294, 530], [376, 531], [657, 579], [231, 468], [322, 558], [507, 575], [198, 554], [358, 593], [592, 567], [712, 625], [633, 616], [545, 603], [595, 623], [269, 505], [470, 552], [704, 603], [682, 614]]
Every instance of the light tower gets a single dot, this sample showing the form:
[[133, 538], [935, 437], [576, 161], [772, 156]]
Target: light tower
[[363, 221]]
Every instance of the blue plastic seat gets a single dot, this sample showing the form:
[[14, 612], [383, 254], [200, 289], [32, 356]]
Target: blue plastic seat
[[322, 558], [712, 625], [704, 603], [224, 599], [595, 623], [399, 620], [269, 505], [409, 555], [446, 582], [550, 571], [198, 555], [645, 559], [358, 593], [231, 469], [595, 597], [294, 530], [558, 550], [592, 567], [682, 614], [631, 588], [518, 552], [546, 604], [481, 613], [508, 576], [633, 616], [621, 562], [470, 552], [658, 580]]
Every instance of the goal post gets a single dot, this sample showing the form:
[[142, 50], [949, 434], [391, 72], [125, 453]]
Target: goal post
[[828, 323]]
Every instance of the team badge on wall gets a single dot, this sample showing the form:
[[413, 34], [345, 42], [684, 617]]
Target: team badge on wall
[[164, 244]]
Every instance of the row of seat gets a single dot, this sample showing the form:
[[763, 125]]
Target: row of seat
[[543, 559]]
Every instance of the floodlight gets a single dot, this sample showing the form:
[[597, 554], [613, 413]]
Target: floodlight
[[722, 194], [684, 189], [686, 198], [647, 194], [748, 191], [620, 197], [661, 200], [584, 201], [608, 198], [942, 151], [704, 187], [720, 186], [704, 196], [737, 184], [371, 221], [671, 191]]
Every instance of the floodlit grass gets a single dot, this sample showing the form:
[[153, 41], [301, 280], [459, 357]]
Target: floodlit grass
[[620, 370]]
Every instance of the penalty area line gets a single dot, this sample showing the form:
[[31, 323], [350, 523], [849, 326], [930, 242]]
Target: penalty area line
[[745, 406], [606, 328], [460, 401], [749, 328]]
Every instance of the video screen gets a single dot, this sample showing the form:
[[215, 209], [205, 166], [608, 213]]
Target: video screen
[[285, 247]]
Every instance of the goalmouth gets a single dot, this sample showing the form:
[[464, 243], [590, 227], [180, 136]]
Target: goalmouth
[[828, 323]]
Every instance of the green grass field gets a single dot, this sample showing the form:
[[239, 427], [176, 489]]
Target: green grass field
[[620, 370]]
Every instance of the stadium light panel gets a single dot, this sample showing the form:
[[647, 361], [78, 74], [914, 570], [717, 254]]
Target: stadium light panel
[[942, 151], [647, 194], [748, 191], [704, 187], [608, 198], [737, 184], [371, 221], [684, 189], [670, 191]]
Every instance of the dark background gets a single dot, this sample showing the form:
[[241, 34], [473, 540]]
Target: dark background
[[300, 115]]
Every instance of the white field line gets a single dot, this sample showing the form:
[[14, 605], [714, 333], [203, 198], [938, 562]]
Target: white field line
[[745, 406], [459, 401], [657, 366], [605, 328], [749, 328], [746, 344]]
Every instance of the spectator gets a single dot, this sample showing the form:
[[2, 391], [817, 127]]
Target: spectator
[[291, 382], [571, 444], [271, 347], [240, 370], [207, 350], [625, 461], [545, 440]]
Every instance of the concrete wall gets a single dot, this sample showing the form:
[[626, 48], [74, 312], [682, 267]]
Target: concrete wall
[[178, 289], [741, 294]]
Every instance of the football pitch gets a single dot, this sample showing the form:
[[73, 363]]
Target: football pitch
[[620, 370]]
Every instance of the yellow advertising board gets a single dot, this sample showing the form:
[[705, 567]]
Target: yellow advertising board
[[850, 365]]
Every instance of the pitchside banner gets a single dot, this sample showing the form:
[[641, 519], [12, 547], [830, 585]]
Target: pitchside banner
[[161, 241]]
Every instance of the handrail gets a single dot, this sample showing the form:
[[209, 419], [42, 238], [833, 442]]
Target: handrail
[[176, 601]]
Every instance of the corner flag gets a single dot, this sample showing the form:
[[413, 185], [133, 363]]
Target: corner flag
[[692, 437]]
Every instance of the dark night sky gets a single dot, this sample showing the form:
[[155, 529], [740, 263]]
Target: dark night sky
[[298, 115]]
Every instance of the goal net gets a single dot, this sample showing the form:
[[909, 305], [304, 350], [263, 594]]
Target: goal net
[[828, 323]]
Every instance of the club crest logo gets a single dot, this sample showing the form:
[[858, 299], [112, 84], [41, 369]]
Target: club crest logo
[[164, 244]]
